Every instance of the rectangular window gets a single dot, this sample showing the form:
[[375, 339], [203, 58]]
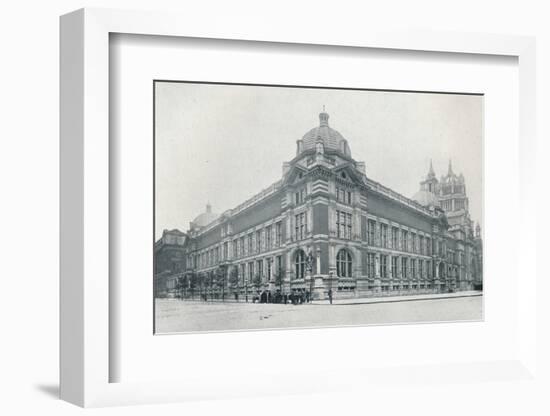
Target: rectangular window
[[429, 269], [395, 238], [404, 271], [268, 237], [371, 226], [370, 265], [300, 196], [260, 269], [422, 246], [394, 267], [250, 245], [301, 226], [343, 225], [343, 196], [413, 268], [383, 266], [250, 271], [225, 251], [413, 242], [258, 241], [242, 247], [269, 268], [278, 235], [383, 235], [421, 269], [404, 240]]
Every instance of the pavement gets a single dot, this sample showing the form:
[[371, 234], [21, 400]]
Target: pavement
[[399, 298], [175, 316]]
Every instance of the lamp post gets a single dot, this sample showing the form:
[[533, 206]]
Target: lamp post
[[309, 268], [330, 286]]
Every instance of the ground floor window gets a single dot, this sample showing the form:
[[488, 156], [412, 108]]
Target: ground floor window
[[370, 265], [383, 265], [343, 264], [300, 263]]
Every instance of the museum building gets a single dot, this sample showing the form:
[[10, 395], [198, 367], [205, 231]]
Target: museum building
[[326, 226]]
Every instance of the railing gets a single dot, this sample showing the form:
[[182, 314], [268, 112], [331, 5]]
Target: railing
[[397, 196]]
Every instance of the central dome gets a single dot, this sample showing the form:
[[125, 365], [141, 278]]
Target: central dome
[[330, 138]]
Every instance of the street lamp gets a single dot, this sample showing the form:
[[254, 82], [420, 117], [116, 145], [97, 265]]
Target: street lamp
[[331, 273]]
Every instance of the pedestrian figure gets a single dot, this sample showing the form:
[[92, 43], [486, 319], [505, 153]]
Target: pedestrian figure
[[330, 296], [307, 296]]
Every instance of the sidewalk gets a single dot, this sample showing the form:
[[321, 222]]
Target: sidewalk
[[404, 298]]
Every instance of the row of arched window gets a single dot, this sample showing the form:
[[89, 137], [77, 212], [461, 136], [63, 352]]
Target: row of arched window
[[344, 264]]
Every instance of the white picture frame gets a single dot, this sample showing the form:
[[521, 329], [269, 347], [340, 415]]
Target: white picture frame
[[85, 355]]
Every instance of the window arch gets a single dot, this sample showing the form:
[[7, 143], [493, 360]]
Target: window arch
[[343, 263], [300, 263]]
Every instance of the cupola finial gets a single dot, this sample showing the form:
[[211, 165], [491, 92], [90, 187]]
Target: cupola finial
[[323, 118]]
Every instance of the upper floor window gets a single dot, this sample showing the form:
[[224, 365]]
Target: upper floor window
[[301, 226], [413, 242], [250, 243], [404, 240], [343, 225], [268, 237], [258, 241], [371, 226], [278, 234], [395, 237], [300, 196], [343, 195], [383, 235]]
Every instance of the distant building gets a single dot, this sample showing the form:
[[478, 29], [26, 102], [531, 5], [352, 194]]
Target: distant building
[[169, 261], [326, 226]]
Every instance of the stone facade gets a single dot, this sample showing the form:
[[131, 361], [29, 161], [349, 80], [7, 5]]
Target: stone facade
[[325, 226]]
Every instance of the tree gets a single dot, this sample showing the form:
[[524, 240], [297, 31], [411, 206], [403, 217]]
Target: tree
[[257, 281], [201, 281], [181, 285], [221, 278], [234, 279], [279, 279], [192, 283]]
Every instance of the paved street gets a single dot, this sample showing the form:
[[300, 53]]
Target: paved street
[[187, 316]]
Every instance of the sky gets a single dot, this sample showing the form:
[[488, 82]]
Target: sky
[[221, 144]]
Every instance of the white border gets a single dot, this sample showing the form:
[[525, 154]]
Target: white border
[[85, 198]]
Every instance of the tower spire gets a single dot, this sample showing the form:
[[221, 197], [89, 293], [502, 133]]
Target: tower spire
[[450, 173], [431, 173]]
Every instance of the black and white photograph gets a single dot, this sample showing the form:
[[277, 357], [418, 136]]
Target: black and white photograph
[[300, 207]]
